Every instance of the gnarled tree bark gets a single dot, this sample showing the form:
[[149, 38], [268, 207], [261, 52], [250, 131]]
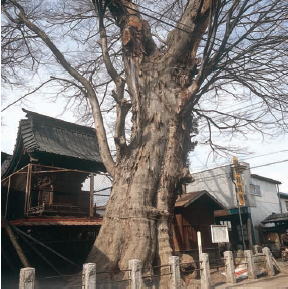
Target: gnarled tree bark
[[139, 212]]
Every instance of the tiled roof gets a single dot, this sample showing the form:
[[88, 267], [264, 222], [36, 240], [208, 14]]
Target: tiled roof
[[47, 134], [276, 218], [40, 134]]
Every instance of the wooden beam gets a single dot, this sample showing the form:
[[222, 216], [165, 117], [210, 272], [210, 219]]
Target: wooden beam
[[27, 190], [16, 245], [71, 170], [91, 195], [7, 197], [33, 248], [45, 246], [17, 172]]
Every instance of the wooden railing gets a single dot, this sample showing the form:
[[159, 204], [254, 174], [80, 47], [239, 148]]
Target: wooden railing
[[63, 209]]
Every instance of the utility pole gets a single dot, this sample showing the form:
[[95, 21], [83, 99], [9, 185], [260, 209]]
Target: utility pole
[[239, 188]]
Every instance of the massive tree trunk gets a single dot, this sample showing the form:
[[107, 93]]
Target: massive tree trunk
[[150, 168], [161, 84], [146, 178]]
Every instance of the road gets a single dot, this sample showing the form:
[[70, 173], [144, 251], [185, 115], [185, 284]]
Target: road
[[277, 282]]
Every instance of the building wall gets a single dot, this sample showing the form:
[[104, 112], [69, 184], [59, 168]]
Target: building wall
[[265, 204], [218, 182], [284, 205], [198, 216]]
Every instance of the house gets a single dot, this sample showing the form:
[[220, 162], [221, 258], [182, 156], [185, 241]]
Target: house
[[260, 198], [271, 230], [273, 226], [194, 211], [43, 197], [263, 198]]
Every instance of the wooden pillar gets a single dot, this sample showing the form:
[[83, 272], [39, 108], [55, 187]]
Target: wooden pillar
[[230, 268], [89, 276], [91, 196], [28, 189], [27, 278], [7, 196], [16, 245], [250, 232]]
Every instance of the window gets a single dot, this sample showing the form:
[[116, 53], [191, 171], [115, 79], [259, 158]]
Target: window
[[255, 190]]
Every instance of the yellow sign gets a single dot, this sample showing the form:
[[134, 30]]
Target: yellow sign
[[238, 182]]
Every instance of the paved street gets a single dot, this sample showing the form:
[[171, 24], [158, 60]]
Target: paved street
[[277, 282]]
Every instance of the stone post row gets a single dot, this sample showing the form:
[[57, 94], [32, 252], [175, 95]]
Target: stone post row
[[27, 275]]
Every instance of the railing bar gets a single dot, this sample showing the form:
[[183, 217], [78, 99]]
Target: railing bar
[[164, 274], [110, 272], [190, 262], [159, 266]]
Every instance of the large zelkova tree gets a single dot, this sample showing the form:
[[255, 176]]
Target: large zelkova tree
[[158, 66]]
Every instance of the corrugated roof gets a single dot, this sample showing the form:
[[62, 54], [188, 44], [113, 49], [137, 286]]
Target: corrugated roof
[[187, 199]]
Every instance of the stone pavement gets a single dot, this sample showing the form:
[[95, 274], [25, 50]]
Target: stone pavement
[[279, 281]]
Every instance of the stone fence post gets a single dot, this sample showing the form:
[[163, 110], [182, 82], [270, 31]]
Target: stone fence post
[[205, 271], [229, 266], [135, 266], [250, 264], [269, 262], [175, 270], [89, 276], [27, 278]]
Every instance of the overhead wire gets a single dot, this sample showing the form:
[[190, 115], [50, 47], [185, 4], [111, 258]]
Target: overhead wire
[[242, 159], [155, 18], [162, 15], [225, 174]]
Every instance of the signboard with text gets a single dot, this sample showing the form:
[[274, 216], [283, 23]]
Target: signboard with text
[[219, 234]]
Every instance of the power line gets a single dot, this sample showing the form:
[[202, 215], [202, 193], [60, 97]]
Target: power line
[[155, 18], [242, 159], [257, 156], [225, 174], [162, 15], [269, 164]]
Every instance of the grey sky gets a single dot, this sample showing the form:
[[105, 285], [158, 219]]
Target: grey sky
[[254, 143]]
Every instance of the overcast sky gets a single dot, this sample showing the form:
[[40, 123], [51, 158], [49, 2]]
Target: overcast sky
[[273, 147]]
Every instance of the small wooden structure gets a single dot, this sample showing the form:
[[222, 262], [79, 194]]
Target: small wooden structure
[[194, 212], [271, 230], [43, 195]]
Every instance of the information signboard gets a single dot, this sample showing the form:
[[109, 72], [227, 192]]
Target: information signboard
[[219, 234]]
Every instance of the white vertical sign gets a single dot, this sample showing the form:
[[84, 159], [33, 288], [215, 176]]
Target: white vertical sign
[[219, 234]]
